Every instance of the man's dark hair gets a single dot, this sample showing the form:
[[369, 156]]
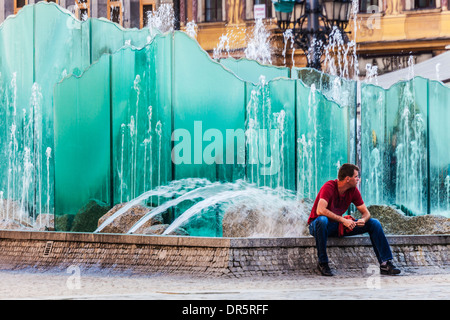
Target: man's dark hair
[[347, 170]]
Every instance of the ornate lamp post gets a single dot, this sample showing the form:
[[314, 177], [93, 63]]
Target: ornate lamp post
[[312, 22]]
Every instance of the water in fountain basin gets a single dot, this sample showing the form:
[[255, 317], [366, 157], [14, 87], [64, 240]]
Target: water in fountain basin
[[209, 202], [278, 211], [201, 192], [258, 212], [175, 188]]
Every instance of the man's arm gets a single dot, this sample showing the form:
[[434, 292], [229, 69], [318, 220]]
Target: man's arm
[[365, 215], [323, 211]]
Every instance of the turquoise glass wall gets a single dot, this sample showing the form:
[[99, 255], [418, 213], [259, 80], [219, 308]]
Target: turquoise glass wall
[[89, 110], [404, 158]]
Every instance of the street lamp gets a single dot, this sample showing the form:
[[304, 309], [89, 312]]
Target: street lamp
[[316, 21]]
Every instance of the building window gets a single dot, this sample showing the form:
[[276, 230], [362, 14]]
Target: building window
[[115, 12], [257, 9], [424, 4], [19, 4], [147, 6], [213, 10], [82, 9], [369, 6]]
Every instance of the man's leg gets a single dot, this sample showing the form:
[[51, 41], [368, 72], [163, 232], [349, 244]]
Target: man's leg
[[320, 229], [377, 237], [379, 243]]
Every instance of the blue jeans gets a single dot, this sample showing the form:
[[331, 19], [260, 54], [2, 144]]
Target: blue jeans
[[322, 228]]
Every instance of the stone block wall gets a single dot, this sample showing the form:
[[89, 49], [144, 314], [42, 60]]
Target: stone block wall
[[298, 255], [235, 257]]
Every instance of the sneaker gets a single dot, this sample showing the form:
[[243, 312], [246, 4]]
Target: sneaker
[[388, 268], [324, 269]]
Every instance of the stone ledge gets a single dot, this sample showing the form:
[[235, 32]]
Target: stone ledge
[[116, 238], [337, 242], [235, 257], [218, 242]]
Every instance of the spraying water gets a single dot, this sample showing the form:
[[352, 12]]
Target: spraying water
[[279, 212], [371, 74], [175, 188], [288, 36], [162, 19], [191, 29], [222, 48], [258, 47]]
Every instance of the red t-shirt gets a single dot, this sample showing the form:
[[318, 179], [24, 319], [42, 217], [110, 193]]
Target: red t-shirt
[[336, 203]]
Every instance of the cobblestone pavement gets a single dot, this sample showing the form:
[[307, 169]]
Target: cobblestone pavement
[[74, 284]]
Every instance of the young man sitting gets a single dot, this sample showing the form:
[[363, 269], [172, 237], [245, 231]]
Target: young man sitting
[[326, 219]]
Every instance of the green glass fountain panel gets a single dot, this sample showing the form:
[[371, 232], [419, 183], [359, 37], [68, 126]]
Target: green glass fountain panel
[[342, 91], [106, 38], [328, 84], [406, 132], [251, 70], [439, 102], [62, 44], [160, 93], [108, 134], [283, 125], [126, 104], [208, 115], [322, 140], [377, 175], [16, 112], [270, 134], [109, 37], [61, 48], [82, 139], [141, 119], [138, 38]]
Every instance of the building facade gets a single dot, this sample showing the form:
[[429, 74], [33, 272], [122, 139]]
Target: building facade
[[127, 13], [388, 33]]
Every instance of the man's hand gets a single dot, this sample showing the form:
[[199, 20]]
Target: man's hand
[[365, 215], [349, 224], [360, 222]]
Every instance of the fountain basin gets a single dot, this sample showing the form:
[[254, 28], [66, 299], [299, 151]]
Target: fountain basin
[[201, 256]]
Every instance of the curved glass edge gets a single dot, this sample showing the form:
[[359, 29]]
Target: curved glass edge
[[293, 74]]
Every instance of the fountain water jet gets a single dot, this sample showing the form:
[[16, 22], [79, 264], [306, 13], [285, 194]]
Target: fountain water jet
[[171, 190]]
